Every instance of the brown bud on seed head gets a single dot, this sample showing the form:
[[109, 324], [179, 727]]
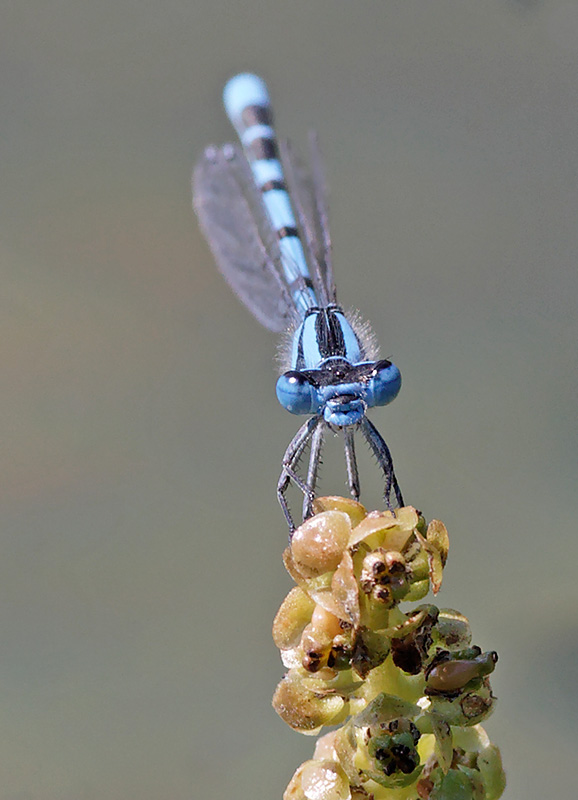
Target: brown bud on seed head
[[325, 623], [374, 567], [317, 546], [316, 648]]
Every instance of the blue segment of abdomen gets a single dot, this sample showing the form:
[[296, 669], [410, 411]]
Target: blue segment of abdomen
[[248, 92], [244, 90]]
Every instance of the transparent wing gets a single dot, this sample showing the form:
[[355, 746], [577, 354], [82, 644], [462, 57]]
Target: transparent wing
[[308, 190], [234, 221]]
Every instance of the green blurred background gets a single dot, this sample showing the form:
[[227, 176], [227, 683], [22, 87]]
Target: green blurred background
[[141, 541]]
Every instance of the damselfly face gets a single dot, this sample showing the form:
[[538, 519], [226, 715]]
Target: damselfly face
[[340, 391]]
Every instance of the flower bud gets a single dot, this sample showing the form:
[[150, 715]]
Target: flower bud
[[317, 546]]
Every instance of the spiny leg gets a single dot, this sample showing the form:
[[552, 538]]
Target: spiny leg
[[381, 451], [314, 462], [351, 463], [290, 460]]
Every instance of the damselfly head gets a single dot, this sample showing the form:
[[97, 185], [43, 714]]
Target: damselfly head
[[341, 391]]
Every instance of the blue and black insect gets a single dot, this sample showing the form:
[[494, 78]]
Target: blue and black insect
[[265, 219]]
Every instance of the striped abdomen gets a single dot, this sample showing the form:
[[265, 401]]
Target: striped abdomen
[[247, 104]]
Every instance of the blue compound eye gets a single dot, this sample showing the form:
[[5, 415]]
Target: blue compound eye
[[297, 394], [384, 384]]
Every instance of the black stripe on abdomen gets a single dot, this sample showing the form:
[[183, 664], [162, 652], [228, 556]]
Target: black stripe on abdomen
[[269, 185], [263, 149], [256, 115], [286, 231]]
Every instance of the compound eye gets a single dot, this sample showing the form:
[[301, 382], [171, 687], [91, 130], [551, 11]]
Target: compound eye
[[297, 394], [384, 385]]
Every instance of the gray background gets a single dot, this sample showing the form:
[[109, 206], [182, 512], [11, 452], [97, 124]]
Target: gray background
[[140, 559]]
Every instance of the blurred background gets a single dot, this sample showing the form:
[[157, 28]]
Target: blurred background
[[140, 557]]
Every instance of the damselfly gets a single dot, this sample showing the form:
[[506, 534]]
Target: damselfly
[[265, 219]]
